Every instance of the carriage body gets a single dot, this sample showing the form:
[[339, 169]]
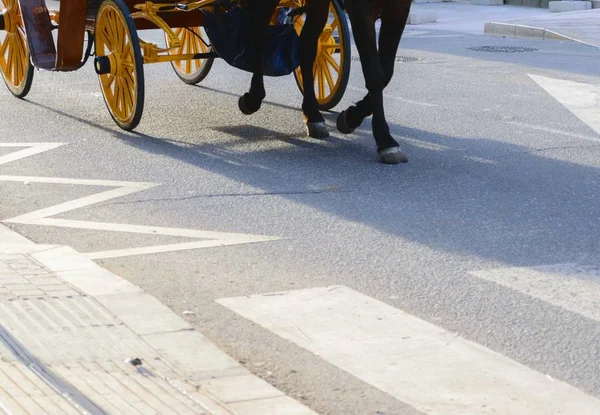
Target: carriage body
[[109, 30]]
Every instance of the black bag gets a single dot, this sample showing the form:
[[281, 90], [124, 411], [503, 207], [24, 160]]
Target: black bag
[[229, 30]]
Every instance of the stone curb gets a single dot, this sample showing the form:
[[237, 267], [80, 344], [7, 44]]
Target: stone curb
[[526, 32], [226, 387]]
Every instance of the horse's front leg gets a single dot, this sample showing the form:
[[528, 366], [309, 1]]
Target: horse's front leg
[[393, 22], [363, 19], [317, 12], [260, 14]]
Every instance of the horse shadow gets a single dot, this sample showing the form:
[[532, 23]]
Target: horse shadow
[[469, 196]]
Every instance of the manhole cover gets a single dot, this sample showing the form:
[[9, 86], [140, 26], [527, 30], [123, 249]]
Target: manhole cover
[[399, 59], [503, 49], [407, 59]]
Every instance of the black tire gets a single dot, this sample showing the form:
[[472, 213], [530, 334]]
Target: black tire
[[118, 12], [197, 76], [18, 83], [344, 41]]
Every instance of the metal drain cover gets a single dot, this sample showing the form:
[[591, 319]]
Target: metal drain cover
[[399, 59], [407, 59], [503, 49]]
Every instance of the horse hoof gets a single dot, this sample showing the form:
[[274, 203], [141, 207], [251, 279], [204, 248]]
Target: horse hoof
[[244, 106], [392, 155], [317, 129], [342, 123]]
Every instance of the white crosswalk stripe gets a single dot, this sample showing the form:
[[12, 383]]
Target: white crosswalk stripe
[[425, 366], [571, 286], [581, 99]]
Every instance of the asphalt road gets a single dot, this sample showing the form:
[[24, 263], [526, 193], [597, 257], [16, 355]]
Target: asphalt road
[[500, 175]]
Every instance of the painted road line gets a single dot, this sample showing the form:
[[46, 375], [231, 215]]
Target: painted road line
[[184, 246], [436, 36], [554, 131], [571, 286], [411, 33], [30, 150], [43, 217], [581, 99], [417, 362]]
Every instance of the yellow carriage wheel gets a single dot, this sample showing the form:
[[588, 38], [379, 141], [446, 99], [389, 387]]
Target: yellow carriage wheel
[[119, 63], [193, 40], [15, 65], [332, 63]]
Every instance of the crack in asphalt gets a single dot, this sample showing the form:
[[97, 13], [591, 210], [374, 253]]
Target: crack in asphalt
[[538, 150], [209, 196]]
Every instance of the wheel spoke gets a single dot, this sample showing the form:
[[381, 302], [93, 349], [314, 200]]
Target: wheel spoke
[[18, 67], [4, 46], [193, 48], [10, 62], [110, 81], [329, 46], [203, 47], [333, 63], [321, 81], [335, 24], [127, 98], [328, 77], [118, 99]]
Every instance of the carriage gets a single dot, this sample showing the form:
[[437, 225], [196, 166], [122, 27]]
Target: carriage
[[108, 31]]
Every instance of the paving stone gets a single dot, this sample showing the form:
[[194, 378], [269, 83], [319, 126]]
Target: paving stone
[[487, 2], [273, 406], [28, 293], [240, 388], [77, 326], [422, 16], [569, 6], [19, 286]]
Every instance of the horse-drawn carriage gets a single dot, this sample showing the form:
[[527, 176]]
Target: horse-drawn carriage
[[108, 31]]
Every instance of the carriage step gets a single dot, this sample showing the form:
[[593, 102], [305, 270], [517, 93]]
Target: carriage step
[[38, 26]]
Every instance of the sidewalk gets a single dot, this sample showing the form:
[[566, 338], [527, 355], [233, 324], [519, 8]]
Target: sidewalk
[[581, 26], [77, 339], [469, 18], [513, 21]]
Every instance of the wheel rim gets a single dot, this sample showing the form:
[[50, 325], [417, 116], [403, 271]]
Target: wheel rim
[[329, 61], [14, 53], [190, 44], [120, 84]]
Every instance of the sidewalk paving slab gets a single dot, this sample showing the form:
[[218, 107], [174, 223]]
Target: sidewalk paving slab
[[77, 339]]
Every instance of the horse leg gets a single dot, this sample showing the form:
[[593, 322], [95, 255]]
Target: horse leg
[[317, 13], [363, 19], [260, 14], [392, 26]]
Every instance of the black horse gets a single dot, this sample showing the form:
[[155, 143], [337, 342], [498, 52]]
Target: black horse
[[377, 59]]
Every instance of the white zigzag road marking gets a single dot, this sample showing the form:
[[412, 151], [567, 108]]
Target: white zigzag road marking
[[43, 217]]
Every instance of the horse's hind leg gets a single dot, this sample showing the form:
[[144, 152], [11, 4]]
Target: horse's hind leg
[[260, 13], [393, 21], [363, 16], [317, 12]]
